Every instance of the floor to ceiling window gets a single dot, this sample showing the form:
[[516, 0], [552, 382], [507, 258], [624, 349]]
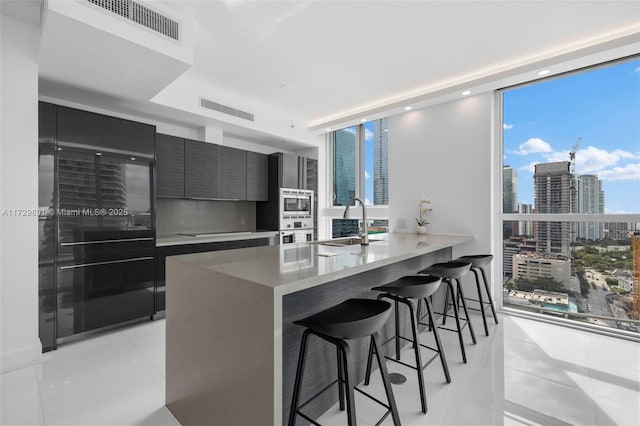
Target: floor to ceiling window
[[571, 196], [360, 169]]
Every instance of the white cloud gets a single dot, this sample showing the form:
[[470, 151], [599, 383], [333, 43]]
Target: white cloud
[[533, 146], [637, 69], [614, 211], [592, 159], [367, 175], [368, 134], [506, 126], [531, 167], [628, 172]]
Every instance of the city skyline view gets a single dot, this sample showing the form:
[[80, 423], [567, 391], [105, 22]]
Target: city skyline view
[[596, 111]]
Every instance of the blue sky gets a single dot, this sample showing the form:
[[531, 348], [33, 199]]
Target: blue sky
[[542, 122]]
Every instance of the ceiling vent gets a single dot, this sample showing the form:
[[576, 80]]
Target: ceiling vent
[[225, 109], [142, 15]]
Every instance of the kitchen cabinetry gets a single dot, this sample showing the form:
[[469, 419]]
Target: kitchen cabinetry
[[201, 177], [292, 171], [257, 176], [192, 169], [232, 168], [164, 251], [169, 166], [91, 130], [47, 301]]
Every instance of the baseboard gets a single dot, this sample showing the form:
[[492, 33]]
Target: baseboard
[[24, 357]]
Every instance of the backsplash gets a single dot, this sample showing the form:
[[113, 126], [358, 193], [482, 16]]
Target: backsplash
[[175, 216]]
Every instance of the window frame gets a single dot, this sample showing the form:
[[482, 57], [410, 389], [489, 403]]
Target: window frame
[[336, 212], [501, 217]]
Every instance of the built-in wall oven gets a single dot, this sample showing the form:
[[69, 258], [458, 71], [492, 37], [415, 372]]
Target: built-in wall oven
[[296, 215]]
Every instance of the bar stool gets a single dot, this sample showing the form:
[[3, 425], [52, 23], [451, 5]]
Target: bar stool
[[403, 290], [478, 262], [450, 271], [351, 319]]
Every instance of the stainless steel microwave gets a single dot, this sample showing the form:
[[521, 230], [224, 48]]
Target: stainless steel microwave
[[296, 205]]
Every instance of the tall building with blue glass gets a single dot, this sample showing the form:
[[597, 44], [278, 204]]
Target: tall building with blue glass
[[381, 162], [344, 162]]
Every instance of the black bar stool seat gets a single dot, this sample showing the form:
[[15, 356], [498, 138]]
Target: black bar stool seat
[[450, 271], [403, 290], [478, 263], [351, 319]]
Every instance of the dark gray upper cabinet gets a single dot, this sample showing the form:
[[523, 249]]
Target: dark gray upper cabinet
[[257, 176], [76, 127], [289, 170], [311, 174], [169, 166], [233, 173], [201, 170]]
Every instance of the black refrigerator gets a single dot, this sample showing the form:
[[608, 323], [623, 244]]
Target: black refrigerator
[[99, 227]]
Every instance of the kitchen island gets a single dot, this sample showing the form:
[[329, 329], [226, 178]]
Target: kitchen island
[[231, 345]]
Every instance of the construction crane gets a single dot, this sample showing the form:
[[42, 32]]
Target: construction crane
[[572, 158]]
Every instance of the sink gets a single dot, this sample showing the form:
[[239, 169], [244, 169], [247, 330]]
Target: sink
[[343, 242]]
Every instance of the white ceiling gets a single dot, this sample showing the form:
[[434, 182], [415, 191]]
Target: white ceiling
[[339, 56], [327, 61]]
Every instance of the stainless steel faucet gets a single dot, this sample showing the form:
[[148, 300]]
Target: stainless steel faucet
[[364, 237]]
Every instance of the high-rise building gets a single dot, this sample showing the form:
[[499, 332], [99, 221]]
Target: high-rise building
[[523, 227], [552, 188], [531, 266], [381, 162], [509, 189], [344, 162], [589, 200]]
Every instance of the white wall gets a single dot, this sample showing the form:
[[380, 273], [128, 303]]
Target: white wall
[[20, 345], [444, 153]]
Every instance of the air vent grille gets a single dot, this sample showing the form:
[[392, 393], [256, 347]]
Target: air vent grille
[[205, 103], [142, 15]]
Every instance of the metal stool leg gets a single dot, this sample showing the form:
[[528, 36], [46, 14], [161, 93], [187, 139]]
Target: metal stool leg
[[486, 286], [299, 376], [466, 312], [340, 379], [416, 348], [446, 302], [375, 341], [343, 349], [484, 316], [457, 317], [436, 335]]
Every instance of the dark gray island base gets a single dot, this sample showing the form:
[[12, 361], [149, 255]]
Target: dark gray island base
[[231, 345]]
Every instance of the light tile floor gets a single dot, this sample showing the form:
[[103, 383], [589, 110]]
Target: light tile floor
[[525, 373]]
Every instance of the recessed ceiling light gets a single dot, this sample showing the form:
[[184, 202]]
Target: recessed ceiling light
[[408, 108], [327, 129], [466, 92], [133, 158], [98, 153], [362, 120], [544, 72]]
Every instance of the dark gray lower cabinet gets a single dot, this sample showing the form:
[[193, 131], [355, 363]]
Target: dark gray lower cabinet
[[163, 252]]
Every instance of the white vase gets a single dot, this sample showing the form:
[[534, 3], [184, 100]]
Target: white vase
[[422, 229]]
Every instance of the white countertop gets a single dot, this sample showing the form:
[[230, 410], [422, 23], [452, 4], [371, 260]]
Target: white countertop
[[177, 239], [293, 267]]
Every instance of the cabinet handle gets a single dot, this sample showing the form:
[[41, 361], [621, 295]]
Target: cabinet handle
[[110, 262], [79, 243]]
